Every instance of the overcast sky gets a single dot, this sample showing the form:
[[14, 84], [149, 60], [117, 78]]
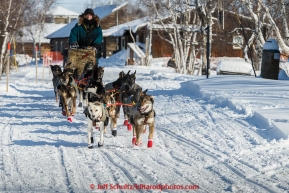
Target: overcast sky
[[74, 5], [80, 5]]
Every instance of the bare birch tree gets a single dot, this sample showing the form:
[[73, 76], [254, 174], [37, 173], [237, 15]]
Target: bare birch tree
[[258, 18], [181, 23], [36, 19], [265, 16], [277, 32], [11, 15], [6, 11], [205, 11], [175, 26]]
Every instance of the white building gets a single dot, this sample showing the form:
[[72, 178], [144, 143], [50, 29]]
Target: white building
[[61, 15]]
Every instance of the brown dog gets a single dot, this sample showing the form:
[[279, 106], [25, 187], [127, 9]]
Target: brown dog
[[113, 116], [68, 93], [82, 82], [112, 89], [143, 114]]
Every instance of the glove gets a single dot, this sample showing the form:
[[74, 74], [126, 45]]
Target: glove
[[74, 45], [97, 48], [89, 47]]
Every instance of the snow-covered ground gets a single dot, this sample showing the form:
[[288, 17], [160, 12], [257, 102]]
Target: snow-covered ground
[[222, 134]]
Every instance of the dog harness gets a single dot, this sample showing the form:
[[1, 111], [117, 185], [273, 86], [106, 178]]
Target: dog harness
[[68, 85], [102, 118], [108, 106], [147, 115], [89, 116]]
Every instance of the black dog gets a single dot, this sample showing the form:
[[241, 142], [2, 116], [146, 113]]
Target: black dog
[[95, 91], [56, 71], [129, 95]]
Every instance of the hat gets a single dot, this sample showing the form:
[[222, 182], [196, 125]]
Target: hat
[[88, 11]]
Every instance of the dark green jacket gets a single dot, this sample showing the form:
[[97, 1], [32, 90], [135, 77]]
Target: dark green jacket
[[86, 36]]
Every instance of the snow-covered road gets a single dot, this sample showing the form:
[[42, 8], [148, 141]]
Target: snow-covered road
[[203, 142]]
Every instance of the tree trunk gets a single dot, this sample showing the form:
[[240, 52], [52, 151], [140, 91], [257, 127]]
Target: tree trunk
[[5, 40]]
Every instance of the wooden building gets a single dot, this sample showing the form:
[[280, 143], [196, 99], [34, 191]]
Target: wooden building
[[55, 19], [226, 42], [110, 15], [116, 31]]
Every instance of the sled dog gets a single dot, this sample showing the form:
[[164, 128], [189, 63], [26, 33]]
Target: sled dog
[[143, 114], [113, 89], [68, 93], [110, 102], [56, 70], [129, 95], [96, 115]]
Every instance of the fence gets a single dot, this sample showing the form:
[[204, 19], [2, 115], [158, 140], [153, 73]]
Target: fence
[[49, 57]]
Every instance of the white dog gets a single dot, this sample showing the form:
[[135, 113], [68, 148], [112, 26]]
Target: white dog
[[96, 114]]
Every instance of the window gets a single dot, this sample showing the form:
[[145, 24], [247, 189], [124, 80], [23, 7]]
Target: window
[[237, 42], [72, 19], [122, 43]]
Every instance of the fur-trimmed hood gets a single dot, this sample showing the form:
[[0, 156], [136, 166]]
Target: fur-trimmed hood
[[95, 18]]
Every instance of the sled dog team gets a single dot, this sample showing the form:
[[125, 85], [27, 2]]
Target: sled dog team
[[102, 103]]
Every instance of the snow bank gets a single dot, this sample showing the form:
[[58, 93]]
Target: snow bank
[[234, 66], [273, 122], [283, 75], [117, 59], [23, 59]]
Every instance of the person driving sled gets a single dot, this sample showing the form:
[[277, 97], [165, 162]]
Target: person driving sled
[[87, 33]]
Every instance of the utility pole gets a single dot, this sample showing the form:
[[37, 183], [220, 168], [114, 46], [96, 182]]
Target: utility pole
[[36, 62], [208, 50]]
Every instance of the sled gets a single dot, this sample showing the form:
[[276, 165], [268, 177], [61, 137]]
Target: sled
[[77, 58]]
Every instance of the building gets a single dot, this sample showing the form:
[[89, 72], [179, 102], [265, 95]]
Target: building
[[60, 15], [55, 19], [116, 32], [110, 16]]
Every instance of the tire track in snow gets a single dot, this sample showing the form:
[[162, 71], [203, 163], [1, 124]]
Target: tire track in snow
[[94, 156], [212, 120], [120, 168], [224, 121], [227, 165], [179, 173], [122, 156], [148, 172], [2, 165], [223, 118], [201, 112], [10, 167], [76, 169], [147, 178], [66, 172], [202, 120], [208, 120]]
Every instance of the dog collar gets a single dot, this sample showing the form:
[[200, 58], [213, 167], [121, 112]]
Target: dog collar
[[94, 120], [145, 114]]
